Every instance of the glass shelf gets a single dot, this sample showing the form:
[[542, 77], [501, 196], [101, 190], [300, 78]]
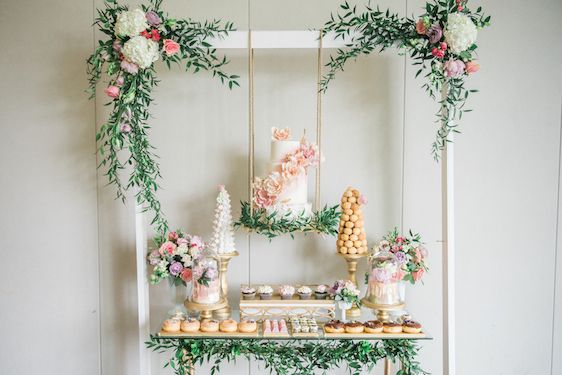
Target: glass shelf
[[365, 316]]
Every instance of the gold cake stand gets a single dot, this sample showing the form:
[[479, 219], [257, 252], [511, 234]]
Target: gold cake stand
[[206, 310], [382, 311], [224, 259], [352, 260]]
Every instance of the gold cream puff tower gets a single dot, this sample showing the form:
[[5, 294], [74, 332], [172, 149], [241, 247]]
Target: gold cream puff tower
[[352, 239]]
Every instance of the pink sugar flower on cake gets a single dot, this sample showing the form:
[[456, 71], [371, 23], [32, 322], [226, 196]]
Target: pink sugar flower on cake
[[280, 134], [262, 199], [273, 184]]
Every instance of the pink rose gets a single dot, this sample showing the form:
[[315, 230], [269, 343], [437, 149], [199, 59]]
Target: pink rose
[[454, 68], [197, 242], [182, 241], [129, 67], [400, 239], [421, 27], [472, 67], [171, 47], [112, 91], [186, 275], [172, 236], [417, 275], [262, 199], [167, 248], [280, 134]]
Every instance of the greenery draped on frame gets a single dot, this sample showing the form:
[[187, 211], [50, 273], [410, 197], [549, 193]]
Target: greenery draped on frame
[[292, 357]]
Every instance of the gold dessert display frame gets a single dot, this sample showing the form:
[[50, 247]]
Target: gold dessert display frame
[[308, 40]]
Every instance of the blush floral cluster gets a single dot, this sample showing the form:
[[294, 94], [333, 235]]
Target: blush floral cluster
[[133, 40], [345, 291], [293, 164], [410, 255], [441, 43], [174, 257]]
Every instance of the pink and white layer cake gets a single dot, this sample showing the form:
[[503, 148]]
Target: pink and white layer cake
[[293, 200], [206, 294]]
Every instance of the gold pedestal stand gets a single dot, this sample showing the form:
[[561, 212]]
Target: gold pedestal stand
[[382, 311], [205, 309], [224, 259], [352, 260]]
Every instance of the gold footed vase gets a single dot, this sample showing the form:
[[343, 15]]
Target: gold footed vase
[[224, 312], [382, 311], [205, 310], [352, 260]]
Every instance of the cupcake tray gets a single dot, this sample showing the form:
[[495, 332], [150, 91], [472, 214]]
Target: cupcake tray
[[282, 308]]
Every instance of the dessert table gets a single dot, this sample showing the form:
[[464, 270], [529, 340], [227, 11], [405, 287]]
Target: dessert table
[[292, 354]]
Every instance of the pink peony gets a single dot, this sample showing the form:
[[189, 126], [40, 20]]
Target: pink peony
[[171, 47], [262, 199], [167, 248], [454, 68], [472, 67], [186, 275], [129, 67], [112, 91], [417, 275], [421, 27], [280, 134], [172, 236]]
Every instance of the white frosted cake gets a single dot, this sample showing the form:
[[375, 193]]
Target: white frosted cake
[[294, 196], [284, 190]]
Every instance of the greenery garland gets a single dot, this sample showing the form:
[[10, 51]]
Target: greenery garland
[[294, 357], [447, 55], [131, 84], [273, 224]]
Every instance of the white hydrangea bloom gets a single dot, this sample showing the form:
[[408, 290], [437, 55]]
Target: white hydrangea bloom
[[141, 51], [460, 32], [130, 23]]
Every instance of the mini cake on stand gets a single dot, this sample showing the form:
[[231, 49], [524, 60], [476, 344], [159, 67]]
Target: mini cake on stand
[[206, 294]]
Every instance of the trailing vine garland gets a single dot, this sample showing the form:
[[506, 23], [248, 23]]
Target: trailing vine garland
[[135, 40], [441, 42], [272, 225], [291, 357]]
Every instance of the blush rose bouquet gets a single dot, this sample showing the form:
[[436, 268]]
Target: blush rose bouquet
[[409, 252], [173, 259]]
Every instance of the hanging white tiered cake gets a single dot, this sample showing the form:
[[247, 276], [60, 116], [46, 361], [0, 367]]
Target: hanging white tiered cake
[[284, 190]]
